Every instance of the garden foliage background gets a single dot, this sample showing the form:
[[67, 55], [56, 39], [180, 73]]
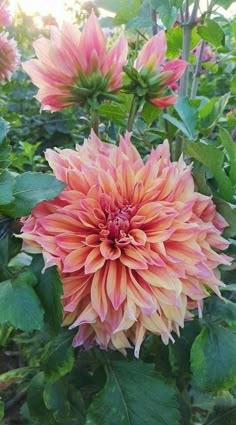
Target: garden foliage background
[[43, 380]]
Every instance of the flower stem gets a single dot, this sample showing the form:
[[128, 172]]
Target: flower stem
[[197, 70], [132, 113], [94, 120]]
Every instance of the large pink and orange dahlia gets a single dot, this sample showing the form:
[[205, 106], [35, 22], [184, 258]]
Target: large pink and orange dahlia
[[135, 245], [74, 67]]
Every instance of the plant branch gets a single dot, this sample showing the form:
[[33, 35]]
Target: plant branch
[[132, 113], [154, 22], [197, 72], [94, 120]]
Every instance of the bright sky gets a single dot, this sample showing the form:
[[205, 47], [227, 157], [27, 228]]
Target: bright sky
[[56, 8]]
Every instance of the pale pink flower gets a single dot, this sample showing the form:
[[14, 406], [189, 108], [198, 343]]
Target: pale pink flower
[[134, 243], [9, 57], [5, 15], [160, 74], [208, 54], [74, 67]]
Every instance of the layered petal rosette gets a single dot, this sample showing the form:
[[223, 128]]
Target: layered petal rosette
[[9, 57], [156, 73], [74, 67], [5, 15], [137, 248]]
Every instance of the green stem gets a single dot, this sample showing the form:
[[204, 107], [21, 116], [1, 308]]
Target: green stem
[[132, 113], [197, 72], [94, 120]]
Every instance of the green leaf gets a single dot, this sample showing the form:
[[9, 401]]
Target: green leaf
[[231, 287], [30, 189], [229, 212], [233, 84], [150, 113], [35, 400], [5, 151], [213, 357], [55, 398], [178, 124], [1, 410], [224, 413], [223, 3], [167, 11], [211, 32], [4, 126], [14, 376], [230, 148], [7, 182], [174, 38], [20, 306], [58, 358], [221, 310], [213, 159], [119, 402], [211, 112], [128, 9], [113, 112], [188, 114], [179, 352], [49, 290]]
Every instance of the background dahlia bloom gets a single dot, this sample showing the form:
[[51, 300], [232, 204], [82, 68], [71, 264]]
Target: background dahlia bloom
[[74, 67], [151, 64], [9, 57], [5, 15], [134, 244]]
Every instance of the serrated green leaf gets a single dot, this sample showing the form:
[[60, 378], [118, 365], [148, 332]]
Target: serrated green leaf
[[178, 124], [7, 182], [58, 358], [119, 402], [213, 357], [30, 189], [20, 306], [211, 32], [223, 3], [35, 400], [213, 159], [113, 112]]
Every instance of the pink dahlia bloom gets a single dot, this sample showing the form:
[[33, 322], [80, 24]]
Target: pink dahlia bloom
[[151, 64], [208, 54], [137, 248], [74, 67], [5, 15], [9, 57]]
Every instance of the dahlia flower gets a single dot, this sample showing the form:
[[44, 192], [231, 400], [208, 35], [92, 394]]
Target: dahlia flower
[[208, 55], [137, 248], [74, 67], [158, 73], [5, 16], [9, 57]]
